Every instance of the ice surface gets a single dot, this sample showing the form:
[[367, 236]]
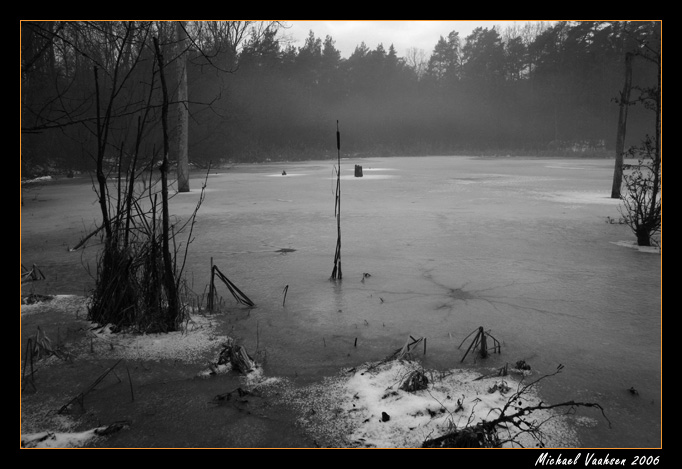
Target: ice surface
[[519, 246]]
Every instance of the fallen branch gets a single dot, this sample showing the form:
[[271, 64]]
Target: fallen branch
[[237, 356], [28, 358], [481, 342], [30, 275], [86, 238], [228, 395], [236, 292], [80, 397], [403, 353], [37, 347], [415, 381], [485, 434], [112, 428]]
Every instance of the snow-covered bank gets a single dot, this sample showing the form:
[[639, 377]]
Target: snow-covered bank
[[633, 245], [361, 407], [189, 345], [365, 407]]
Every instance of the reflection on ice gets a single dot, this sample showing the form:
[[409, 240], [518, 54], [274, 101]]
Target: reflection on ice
[[584, 197], [369, 176]]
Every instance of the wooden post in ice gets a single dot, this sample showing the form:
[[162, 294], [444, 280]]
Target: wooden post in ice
[[336, 273]]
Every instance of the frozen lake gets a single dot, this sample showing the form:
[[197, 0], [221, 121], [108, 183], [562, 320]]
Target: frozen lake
[[521, 247]]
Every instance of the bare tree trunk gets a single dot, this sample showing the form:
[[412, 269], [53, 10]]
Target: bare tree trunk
[[169, 277], [101, 179], [657, 145], [622, 125], [182, 141]]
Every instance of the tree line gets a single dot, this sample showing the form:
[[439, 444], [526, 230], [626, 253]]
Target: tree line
[[536, 88]]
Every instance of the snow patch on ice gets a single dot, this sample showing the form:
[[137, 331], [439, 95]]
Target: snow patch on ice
[[60, 303], [38, 179], [370, 176], [563, 167], [365, 407], [583, 197], [633, 245], [189, 345], [196, 338]]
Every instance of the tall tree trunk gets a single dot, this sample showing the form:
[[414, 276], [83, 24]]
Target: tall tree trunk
[[101, 178], [182, 137], [656, 167], [622, 125], [169, 277]]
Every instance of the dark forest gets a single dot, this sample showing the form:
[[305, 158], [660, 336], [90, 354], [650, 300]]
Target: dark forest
[[547, 89]]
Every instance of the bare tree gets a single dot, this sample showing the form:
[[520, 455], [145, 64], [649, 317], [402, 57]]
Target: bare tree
[[110, 78], [183, 109], [624, 103], [513, 421], [642, 201], [138, 272], [218, 43], [416, 59]]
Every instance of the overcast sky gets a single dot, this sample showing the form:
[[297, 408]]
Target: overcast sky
[[402, 34]]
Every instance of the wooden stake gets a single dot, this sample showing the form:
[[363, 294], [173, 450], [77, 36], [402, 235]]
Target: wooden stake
[[211, 290], [336, 272], [132, 394]]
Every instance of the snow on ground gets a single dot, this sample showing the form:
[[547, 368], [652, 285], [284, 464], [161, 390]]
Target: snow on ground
[[192, 344], [362, 407], [38, 179], [188, 345], [365, 407], [633, 245], [59, 440], [59, 303], [584, 197]]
